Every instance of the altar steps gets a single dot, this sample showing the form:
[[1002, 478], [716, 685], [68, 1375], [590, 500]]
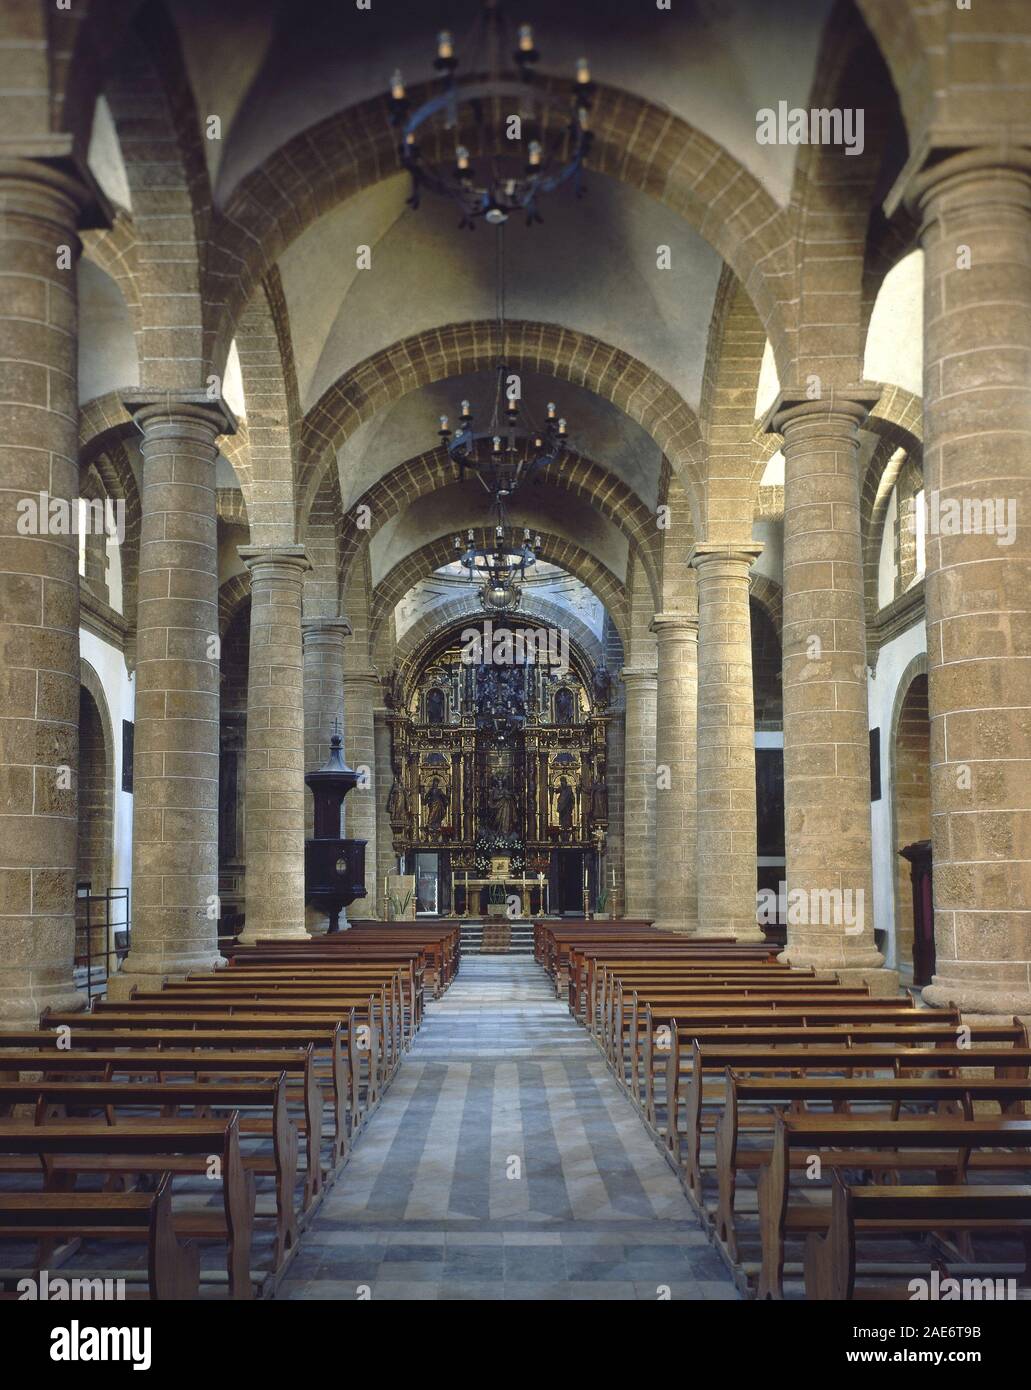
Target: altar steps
[[497, 937]]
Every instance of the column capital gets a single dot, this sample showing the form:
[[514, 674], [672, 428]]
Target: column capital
[[850, 404], [639, 675], [275, 562], [675, 625], [363, 676], [152, 408], [715, 558], [333, 629], [926, 175], [50, 175]]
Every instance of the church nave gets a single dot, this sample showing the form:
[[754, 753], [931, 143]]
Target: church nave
[[425, 1208]]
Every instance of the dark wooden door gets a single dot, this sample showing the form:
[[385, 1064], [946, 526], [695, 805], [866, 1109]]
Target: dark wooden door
[[569, 878]]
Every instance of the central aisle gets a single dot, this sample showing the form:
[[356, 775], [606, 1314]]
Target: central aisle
[[505, 1162]]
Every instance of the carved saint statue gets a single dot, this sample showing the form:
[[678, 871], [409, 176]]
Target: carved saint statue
[[565, 804], [397, 803], [602, 686], [435, 800], [503, 807], [600, 799], [393, 692]]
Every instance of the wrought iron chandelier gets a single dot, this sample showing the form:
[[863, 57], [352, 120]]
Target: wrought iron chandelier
[[552, 138], [500, 562], [502, 456], [502, 460], [514, 448]]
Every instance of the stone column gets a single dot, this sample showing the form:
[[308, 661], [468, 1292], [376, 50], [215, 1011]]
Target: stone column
[[615, 774], [676, 818], [976, 233], [274, 806], [362, 693], [386, 860], [175, 782], [726, 744], [323, 641], [39, 589], [826, 725], [639, 792]]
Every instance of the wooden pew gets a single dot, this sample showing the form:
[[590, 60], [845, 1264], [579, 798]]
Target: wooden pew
[[680, 1066], [438, 959], [592, 973], [297, 1064], [401, 1013], [776, 1095], [628, 1033], [603, 978], [555, 940], [690, 1020], [885, 1145], [703, 1099], [831, 1264], [92, 1032], [374, 1011], [66, 1149], [273, 981], [117, 1097], [173, 1266], [229, 1022]]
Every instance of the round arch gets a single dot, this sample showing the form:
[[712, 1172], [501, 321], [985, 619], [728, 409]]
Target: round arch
[[96, 781], [414, 659], [462, 348], [909, 753], [438, 552], [581, 477], [634, 141], [463, 610]]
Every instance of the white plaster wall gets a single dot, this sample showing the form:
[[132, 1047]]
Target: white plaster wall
[[895, 340], [886, 559], [104, 156], [770, 532], [120, 693], [883, 688], [769, 382], [107, 346]]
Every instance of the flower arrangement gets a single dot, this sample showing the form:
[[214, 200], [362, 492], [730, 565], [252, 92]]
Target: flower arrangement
[[488, 845]]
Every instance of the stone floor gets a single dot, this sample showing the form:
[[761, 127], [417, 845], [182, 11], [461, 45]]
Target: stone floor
[[505, 1163]]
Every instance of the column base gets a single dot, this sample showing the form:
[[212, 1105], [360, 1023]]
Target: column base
[[882, 983], [727, 931], [154, 972], [263, 933], [976, 997], [20, 1009], [677, 926]]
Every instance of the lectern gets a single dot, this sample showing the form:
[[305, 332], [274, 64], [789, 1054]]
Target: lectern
[[334, 868]]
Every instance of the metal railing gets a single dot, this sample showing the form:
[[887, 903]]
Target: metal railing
[[106, 914]]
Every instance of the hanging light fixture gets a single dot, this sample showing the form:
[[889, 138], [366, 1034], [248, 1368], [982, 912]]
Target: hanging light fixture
[[500, 562], [514, 447], [505, 456], [553, 137]]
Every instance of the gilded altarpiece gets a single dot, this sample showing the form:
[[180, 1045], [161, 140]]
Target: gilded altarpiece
[[500, 760]]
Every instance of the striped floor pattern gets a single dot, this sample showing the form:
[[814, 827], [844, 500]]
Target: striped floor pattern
[[505, 1163]]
